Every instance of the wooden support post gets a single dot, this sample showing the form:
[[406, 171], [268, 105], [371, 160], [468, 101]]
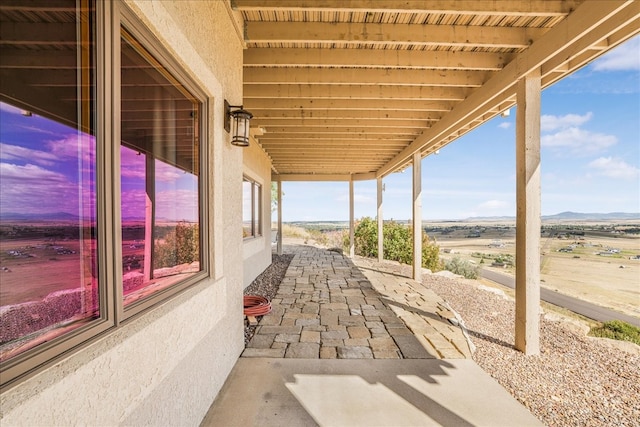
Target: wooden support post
[[279, 243], [380, 222], [352, 244], [527, 333], [417, 216]]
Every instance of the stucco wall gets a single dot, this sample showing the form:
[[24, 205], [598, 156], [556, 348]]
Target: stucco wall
[[166, 366], [257, 251]]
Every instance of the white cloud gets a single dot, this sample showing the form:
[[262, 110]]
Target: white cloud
[[32, 189], [578, 141], [550, 122], [177, 205], [28, 173], [614, 168], [167, 173], [625, 57], [504, 125], [15, 152]]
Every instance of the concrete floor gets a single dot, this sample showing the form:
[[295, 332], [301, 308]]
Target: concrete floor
[[356, 343], [363, 392]]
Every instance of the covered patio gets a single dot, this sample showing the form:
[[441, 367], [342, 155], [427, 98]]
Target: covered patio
[[357, 90], [339, 90]]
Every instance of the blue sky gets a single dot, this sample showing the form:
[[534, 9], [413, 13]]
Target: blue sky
[[590, 138]]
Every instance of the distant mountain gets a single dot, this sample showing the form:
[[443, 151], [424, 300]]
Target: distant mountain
[[593, 216], [53, 216], [569, 216]]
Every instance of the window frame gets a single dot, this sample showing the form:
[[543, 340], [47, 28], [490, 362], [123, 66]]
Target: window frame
[[150, 42], [256, 223], [109, 18]]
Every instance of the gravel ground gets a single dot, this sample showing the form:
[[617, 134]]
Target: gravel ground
[[576, 381], [266, 285]]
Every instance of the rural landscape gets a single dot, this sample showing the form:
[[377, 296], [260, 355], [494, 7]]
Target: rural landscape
[[51, 262], [593, 258]]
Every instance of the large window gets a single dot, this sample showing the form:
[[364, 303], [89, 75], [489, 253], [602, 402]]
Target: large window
[[78, 251], [159, 175], [251, 208], [48, 264]]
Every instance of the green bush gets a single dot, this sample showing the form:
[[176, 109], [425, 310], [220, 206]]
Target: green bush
[[462, 267], [617, 330], [397, 243], [179, 246]]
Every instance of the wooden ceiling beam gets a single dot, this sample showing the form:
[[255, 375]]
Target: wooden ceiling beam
[[310, 139], [341, 123], [328, 91], [368, 58], [337, 164], [336, 152], [462, 7], [345, 104], [318, 176], [345, 115], [321, 131], [391, 34], [353, 76]]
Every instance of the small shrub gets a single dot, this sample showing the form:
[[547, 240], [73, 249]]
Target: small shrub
[[462, 267], [397, 242], [179, 246], [617, 330]]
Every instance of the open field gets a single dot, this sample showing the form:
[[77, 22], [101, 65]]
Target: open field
[[39, 258], [31, 269], [579, 258], [595, 267]]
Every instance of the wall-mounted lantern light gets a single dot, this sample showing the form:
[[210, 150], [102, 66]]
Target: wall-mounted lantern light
[[237, 122]]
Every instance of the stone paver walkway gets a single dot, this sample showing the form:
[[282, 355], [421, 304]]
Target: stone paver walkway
[[327, 307]]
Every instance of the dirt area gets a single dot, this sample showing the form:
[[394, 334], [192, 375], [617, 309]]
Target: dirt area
[[30, 269], [588, 267], [611, 280]]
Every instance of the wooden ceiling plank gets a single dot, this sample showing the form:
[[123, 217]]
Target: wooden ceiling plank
[[318, 138], [328, 91], [320, 131], [462, 7], [346, 104], [437, 60], [337, 142], [352, 76], [391, 34], [344, 115], [340, 124]]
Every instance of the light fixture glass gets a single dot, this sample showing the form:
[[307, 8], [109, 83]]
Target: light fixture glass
[[237, 122]]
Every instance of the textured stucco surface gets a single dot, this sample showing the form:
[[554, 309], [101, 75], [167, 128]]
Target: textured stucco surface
[[166, 366]]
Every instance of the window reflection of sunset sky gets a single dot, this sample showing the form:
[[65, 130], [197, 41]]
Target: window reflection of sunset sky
[[42, 163]]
